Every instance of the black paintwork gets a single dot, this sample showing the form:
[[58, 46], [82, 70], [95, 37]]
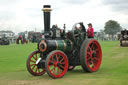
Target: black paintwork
[[46, 21], [4, 41], [75, 35]]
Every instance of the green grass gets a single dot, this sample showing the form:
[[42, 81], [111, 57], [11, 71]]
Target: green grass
[[113, 71]]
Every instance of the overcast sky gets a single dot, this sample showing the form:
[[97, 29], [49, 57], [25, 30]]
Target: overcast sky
[[26, 15]]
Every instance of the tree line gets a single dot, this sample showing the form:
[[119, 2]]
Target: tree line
[[112, 27]]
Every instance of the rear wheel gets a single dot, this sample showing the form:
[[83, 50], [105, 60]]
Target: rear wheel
[[31, 64], [56, 64], [90, 55]]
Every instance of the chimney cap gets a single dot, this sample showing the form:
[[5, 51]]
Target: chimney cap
[[47, 6]]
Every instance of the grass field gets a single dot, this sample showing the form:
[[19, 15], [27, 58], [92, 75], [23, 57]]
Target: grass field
[[113, 71]]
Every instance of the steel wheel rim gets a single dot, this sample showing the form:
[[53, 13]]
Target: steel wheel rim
[[32, 67], [57, 64], [93, 55]]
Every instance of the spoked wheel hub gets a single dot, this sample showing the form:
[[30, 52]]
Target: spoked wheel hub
[[56, 64]]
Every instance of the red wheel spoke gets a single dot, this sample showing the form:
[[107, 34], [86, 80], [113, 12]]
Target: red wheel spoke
[[62, 66], [53, 59], [93, 65], [90, 49], [61, 60], [32, 61], [34, 58], [88, 53], [56, 58], [36, 69], [50, 65], [58, 71], [95, 58], [91, 62], [39, 70], [89, 58], [33, 67], [92, 46], [52, 69], [32, 64]]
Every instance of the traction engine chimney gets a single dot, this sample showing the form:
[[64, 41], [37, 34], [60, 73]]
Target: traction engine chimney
[[46, 9]]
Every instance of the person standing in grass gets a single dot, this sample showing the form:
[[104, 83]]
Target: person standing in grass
[[90, 31]]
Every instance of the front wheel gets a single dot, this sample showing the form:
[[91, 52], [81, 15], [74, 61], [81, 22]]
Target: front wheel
[[31, 64], [56, 64], [90, 55]]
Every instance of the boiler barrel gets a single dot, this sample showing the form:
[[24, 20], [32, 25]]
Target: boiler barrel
[[50, 45]]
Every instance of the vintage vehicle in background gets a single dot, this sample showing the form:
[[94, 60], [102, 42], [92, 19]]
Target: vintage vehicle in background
[[4, 41], [60, 51], [34, 37], [22, 38], [124, 38]]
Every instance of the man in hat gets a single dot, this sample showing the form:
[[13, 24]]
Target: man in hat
[[90, 31]]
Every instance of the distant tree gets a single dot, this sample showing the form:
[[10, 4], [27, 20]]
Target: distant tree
[[112, 27]]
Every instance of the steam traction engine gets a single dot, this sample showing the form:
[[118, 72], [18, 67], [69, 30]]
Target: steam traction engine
[[60, 52], [124, 38]]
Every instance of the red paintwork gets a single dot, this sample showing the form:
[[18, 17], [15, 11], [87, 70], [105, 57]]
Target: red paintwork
[[90, 32], [58, 58], [93, 62], [32, 66]]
